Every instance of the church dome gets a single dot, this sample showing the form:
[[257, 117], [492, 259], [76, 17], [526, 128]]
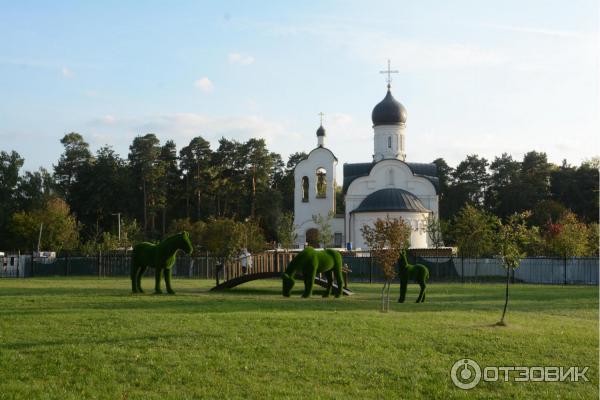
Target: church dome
[[389, 111], [391, 200], [321, 131]]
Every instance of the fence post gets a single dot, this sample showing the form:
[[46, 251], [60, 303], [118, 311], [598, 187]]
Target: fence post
[[565, 269], [462, 269], [217, 268], [19, 265], [371, 268]]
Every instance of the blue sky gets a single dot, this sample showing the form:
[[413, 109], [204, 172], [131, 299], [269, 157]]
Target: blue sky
[[477, 77]]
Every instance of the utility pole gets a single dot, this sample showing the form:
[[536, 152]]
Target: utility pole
[[119, 222], [40, 238]]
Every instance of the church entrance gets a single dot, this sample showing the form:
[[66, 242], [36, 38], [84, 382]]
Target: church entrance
[[312, 237]]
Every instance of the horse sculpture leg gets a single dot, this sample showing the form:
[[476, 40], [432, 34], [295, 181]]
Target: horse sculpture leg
[[329, 276], [134, 269], [309, 277], [309, 281], [157, 278], [339, 279], [138, 278], [421, 297], [403, 287], [168, 274]]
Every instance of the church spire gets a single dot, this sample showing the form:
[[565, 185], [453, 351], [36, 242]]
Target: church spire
[[389, 73], [321, 133], [389, 118]]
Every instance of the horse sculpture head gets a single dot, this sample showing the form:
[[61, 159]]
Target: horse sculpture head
[[403, 261], [288, 284], [187, 243]]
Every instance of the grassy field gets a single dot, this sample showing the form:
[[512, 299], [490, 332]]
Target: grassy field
[[89, 338]]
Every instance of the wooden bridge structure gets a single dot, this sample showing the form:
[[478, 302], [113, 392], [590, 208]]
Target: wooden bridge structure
[[269, 265]]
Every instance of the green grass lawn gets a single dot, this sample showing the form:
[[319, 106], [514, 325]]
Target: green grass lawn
[[89, 338]]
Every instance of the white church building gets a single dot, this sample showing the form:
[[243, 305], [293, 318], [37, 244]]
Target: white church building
[[386, 186]]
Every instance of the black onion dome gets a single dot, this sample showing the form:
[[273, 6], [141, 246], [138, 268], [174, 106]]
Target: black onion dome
[[321, 131], [391, 200], [389, 111]]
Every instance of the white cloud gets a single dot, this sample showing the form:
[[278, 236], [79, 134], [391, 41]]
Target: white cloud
[[182, 127], [66, 72], [242, 59], [540, 31], [109, 119], [341, 119], [375, 46], [419, 55], [204, 84], [104, 120]]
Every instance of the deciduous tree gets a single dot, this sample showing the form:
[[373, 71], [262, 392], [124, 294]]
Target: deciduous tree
[[510, 239], [387, 238], [59, 231]]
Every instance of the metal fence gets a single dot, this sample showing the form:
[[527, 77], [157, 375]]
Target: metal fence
[[103, 265], [578, 271], [544, 270]]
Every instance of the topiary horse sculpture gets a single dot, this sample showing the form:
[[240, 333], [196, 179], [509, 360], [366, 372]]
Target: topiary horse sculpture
[[418, 272], [161, 257], [311, 262]]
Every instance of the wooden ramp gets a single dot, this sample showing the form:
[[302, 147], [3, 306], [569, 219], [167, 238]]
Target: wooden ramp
[[264, 266], [231, 283]]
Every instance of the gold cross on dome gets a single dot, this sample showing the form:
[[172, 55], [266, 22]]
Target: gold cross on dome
[[389, 73], [321, 114]]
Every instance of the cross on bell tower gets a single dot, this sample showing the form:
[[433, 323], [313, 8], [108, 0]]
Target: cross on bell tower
[[321, 132], [389, 73]]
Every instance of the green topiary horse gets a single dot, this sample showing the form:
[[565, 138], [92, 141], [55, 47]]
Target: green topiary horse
[[311, 262], [161, 257], [418, 272]]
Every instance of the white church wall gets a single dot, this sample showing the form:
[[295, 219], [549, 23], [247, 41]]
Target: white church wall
[[304, 210], [337, 227], [390, 174], [417, 222]]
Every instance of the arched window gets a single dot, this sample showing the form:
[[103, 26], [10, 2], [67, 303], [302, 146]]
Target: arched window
[[389, 142], [312, 237], [305, 189], [390, 176], [321, 183]]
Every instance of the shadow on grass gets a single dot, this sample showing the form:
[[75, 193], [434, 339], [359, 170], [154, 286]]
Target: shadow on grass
[[226, 304], [112, 341], [61, 291], [267, 297]]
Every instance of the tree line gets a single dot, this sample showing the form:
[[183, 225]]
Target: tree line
[[559, 201], [243, 191]]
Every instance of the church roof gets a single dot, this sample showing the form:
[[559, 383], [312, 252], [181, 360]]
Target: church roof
[[321, 131], [357, 170], [391, 200], [388, 111]]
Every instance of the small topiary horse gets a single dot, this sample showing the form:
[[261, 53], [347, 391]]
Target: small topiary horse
[[418, 272], [311, 262], [161, 257]]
